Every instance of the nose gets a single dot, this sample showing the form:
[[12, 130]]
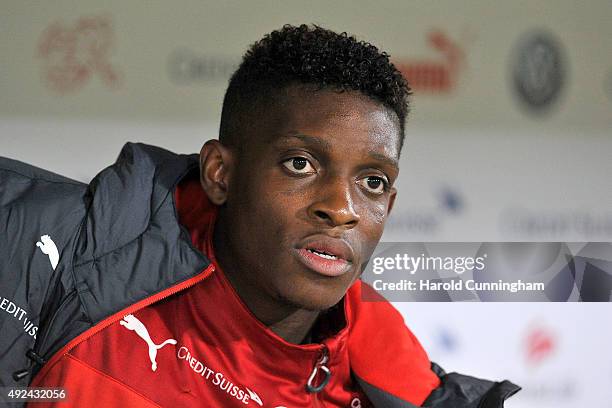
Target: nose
[[334, 206]]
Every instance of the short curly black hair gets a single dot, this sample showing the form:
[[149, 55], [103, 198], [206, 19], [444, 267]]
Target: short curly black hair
[[312, 56]]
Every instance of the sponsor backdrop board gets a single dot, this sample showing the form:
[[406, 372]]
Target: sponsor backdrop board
[[558, 352], [509, 137], [471, 64]]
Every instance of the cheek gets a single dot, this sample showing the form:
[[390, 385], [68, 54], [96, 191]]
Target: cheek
[[372, 220], [378, 215], [270, 216], [374, 215]]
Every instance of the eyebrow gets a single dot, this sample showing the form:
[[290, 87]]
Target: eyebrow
[[386, 159], [324, 144]]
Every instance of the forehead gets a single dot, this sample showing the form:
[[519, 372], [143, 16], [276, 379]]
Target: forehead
[[341, 120]]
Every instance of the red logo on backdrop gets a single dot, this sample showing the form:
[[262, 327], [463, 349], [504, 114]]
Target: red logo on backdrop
[[540, 344], [435, 76], [71, 55]]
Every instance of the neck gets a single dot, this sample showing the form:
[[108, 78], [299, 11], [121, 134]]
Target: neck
[[286, 320], [294, 328]]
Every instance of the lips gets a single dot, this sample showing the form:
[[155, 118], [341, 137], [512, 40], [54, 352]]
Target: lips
[[326, 256]]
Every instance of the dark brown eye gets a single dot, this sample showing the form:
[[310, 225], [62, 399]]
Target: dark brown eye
[[299, 165], [374, 184]]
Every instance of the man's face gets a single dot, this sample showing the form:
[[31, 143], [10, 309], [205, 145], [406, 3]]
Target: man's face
[[309, 195]]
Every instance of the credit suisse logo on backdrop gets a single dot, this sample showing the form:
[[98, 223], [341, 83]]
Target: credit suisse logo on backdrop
[[540, 344], [72, 54], [186, 66], [449, 202]]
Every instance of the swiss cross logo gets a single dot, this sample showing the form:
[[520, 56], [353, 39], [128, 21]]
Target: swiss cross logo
[[72, 54]]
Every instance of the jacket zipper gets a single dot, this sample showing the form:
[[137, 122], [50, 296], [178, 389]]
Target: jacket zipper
[[120, 314], [43, 338], [320, 366], [34, 353]]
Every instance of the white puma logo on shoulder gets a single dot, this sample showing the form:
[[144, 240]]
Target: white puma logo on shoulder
[[47, 246], [132, 323]]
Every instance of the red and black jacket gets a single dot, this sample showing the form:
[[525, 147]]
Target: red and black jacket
[[120, 248]]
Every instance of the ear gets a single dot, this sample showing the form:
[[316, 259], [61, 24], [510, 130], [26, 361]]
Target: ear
[[216, 165], [392, 197]]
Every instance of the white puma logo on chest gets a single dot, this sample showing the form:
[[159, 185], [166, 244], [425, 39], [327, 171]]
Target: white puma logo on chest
[[132, 323], [47, 246]]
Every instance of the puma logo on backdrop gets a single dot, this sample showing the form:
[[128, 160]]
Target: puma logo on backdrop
[[130, 322], [47, 246]]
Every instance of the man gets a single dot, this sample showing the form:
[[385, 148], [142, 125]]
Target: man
[[232, 278]]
